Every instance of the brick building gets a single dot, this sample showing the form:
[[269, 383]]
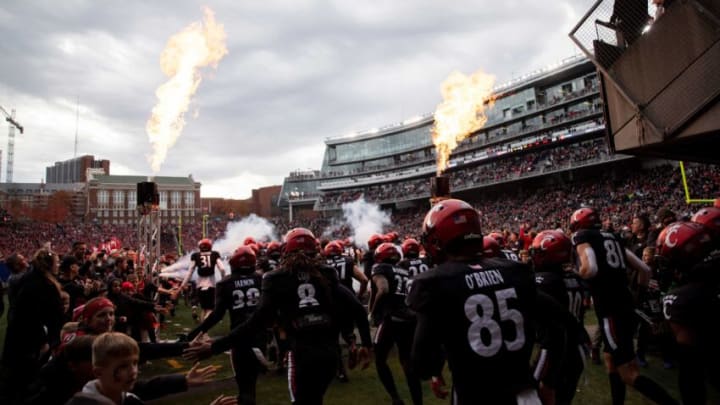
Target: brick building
[[113, 199]]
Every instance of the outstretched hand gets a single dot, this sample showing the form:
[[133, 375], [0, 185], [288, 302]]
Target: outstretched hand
[[200, 376], [197, 351], [224, 400], [363, 357]]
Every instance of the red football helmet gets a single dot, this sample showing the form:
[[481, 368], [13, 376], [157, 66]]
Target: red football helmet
[[717, 203], [205, 245], [387, 253], [375, 241], [683, 244], [244, 257], [391, 236], [549, 248], [255, 248], [447, 222], [585, 218], [249, 241], [333, 249], [300, 240], [710, 217], [499, 238], [273, 249], [411, 248], [491, 247]]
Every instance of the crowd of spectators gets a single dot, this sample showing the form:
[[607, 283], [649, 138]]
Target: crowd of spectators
[[619, 195], [495, 171]]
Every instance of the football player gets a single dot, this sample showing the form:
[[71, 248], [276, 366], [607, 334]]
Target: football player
[[205, 261], [689, 249], [478, 311], [304, 297], [269, 261], [412, 262], [345, 267], [551, 251], [239, 294], [346, 272], [604, 263], [493, 248], [394, 320]]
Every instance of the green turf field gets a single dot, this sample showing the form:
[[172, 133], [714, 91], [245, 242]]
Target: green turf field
[[364, 387]]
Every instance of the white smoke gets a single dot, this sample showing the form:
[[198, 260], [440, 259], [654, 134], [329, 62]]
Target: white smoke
[[258, 228], [364, 219], [333, 229]]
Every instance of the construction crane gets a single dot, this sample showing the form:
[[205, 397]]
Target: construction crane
[[10, 118]]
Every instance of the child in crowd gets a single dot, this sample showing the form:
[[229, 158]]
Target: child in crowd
[[115, 359]]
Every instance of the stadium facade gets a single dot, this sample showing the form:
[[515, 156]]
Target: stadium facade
[[549, 121]]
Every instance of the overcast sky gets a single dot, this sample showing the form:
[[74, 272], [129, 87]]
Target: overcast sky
[[297, 72]]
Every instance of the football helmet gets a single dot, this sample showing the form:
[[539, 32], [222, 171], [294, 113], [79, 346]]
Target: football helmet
[[249, 241], [710, 217], [244, 257], [300, 240], [491, 247], [387, 253], [205, 245], [255, 248], [447, 222], [411, 248], [273, 250], [499, 238], [391, 236], [717, 203], [585, 218], [684, 244], [333, 249], [550, 248], [375, 241]]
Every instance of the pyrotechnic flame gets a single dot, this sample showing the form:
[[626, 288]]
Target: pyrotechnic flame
[[461, 113], [198, 45]]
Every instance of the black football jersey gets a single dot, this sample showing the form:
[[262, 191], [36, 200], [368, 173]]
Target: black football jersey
[[566, 288], [311, 306], [509, 254], [344, 267], [240, 295], [393, 305], [482, 314], [692, 304], [303, 302], [609, 287], [414, 266], [205, 262], [368, 261]]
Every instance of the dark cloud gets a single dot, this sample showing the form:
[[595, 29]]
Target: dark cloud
[[296, 73]]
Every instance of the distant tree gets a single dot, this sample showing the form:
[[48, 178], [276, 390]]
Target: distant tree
[[59, 207]]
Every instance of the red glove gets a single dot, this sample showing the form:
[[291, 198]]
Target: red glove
[[437, 385]]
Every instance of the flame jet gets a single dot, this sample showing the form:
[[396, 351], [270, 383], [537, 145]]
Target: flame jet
[[461, 113], [198, 45]]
